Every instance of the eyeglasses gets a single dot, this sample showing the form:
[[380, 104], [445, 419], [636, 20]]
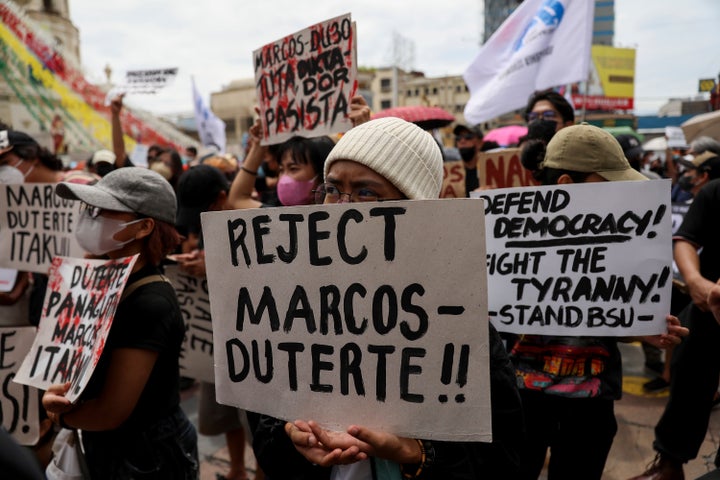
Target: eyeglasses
[[329, 193], [465, 136], [92, 212], [545, 114]]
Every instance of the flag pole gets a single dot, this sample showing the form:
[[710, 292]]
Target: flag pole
[[586, 91]]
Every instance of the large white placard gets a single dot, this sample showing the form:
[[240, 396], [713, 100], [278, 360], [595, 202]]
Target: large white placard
[[78, 310], [19, 404], [305, 81], [371, 314], [196, 356], [35, 226], [581, 259]]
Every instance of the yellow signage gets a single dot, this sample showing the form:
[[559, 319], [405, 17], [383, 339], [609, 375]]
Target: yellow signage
[[706, 85], [615, 68]]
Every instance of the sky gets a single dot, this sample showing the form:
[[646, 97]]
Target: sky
[[212, 41]]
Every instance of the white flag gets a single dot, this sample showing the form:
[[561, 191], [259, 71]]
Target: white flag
[[211, 129], [542, 44]]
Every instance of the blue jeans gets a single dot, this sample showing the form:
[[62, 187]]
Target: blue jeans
[[165, 450]]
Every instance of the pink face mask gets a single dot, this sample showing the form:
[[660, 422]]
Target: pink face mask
[[292, 192]]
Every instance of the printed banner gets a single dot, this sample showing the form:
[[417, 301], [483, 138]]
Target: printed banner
[[502, 169], [35, 226], [305, 81], [587, 259], [196, 357], [78, 310], [327, 311], [19, 404]]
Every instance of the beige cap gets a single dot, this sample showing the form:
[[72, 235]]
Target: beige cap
[[589, 149]]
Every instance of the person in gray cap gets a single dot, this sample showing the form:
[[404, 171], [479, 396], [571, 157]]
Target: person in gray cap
[[130, 411], [391, 159]]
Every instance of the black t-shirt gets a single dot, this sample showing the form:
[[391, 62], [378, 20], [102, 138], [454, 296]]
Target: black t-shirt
[[150, 319], [701, 226], [472, 181]]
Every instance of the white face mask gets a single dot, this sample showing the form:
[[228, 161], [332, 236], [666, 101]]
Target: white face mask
[[11, 175], [25, 175], [95, 235]]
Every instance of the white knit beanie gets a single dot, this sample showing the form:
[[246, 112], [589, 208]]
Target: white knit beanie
[[400, 151]]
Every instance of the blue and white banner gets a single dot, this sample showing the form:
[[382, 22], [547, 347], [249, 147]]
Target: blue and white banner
[[542, 44], [211, 129]]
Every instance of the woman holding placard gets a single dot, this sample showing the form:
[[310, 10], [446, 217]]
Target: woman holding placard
[[130, 417], [390, 159]]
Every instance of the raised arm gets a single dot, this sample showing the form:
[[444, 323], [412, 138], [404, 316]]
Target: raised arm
[[242, 187], [118, 141]]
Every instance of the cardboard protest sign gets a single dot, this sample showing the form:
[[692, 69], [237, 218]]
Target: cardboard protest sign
[[143, 82], [453, 180], [502, 169], [582, 259], [675, 137], [19, 404], [344, 314], [35, 226], [77, 314], [305, 81], [196, 357]]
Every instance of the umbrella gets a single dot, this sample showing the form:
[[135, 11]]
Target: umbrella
[[703, 124], [657, 143], [424, 117], [508, 135], [624, 130]]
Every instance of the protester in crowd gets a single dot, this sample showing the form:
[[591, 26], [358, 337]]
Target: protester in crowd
[[168, 160], [37, 164], [699, 171], [546, 113], [469, 142], [390, 159], [13, 303], [696, 365], [676, 167], [267, 177], [227, 163], [703, 144], [129, 413], [571, 413], [101, 163], [191, 156], [205, 188], [301, 162], [635, 154]]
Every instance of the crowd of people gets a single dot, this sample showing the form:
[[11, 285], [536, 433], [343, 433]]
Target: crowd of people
[[130, 414]]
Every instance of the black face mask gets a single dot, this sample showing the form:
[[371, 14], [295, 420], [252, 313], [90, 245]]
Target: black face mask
[[103, 168], [686, 183], [467, 153], [541, 130]]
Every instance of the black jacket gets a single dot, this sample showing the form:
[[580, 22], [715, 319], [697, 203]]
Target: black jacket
[[453, 460]]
